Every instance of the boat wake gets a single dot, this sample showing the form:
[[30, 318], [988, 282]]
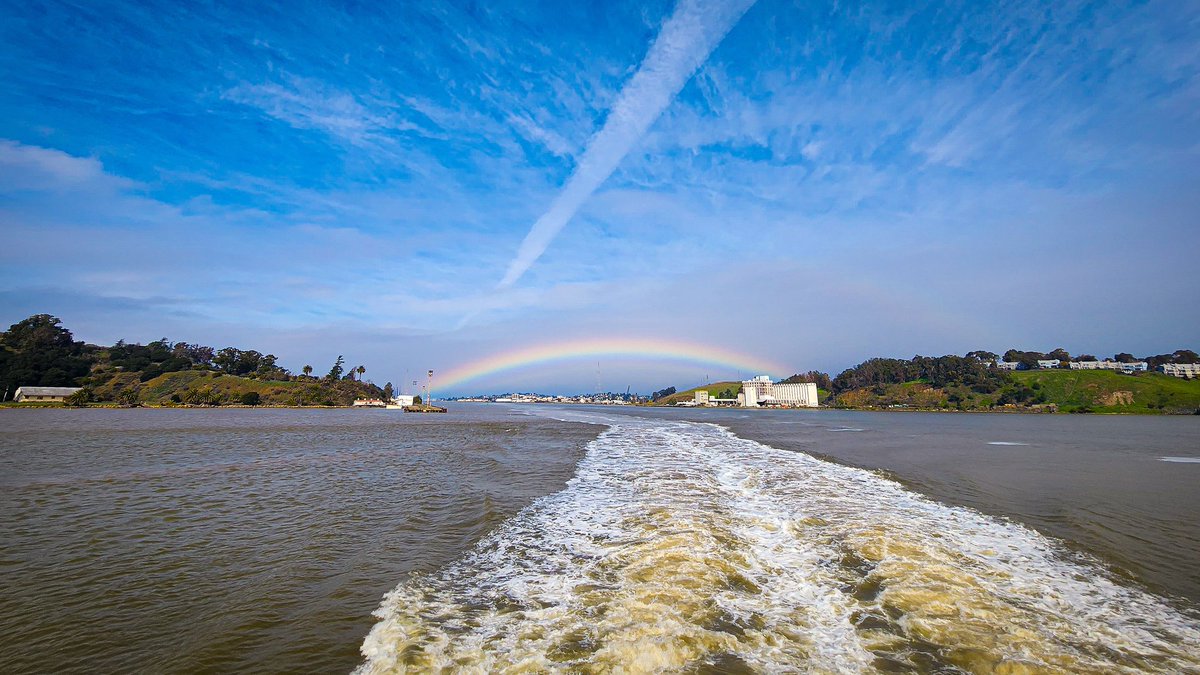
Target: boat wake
[[678, 546]]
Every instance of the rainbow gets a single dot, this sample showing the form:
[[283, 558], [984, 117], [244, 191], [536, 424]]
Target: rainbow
[[644, 348]]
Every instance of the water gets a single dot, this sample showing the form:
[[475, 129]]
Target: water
[[679, 546], [242, 540], [178, 541]]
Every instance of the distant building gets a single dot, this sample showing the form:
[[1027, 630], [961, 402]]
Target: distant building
[[702, 397], [402, 399], [1048, 363], [1189, 370], [1009, 365], [1110, 365], [369, 403], [761, 391], [30, 394]]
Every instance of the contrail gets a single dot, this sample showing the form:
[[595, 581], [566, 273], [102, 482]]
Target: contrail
[[687, 38]]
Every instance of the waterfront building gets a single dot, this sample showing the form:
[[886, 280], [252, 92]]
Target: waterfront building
[[30, 394], [761, 391], [702, 397], [1189, 370]]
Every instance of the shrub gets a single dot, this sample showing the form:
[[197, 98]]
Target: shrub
[[251, 398]]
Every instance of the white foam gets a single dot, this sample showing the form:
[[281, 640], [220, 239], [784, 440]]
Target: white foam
[[678, 543], [1181, 460], [1005, 443], [846, 429]]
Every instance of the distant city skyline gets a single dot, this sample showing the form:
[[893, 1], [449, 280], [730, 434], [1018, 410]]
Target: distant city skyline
[[437, 186]]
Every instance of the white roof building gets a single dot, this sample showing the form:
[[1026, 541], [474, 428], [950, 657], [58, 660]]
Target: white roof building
[[43, 393]]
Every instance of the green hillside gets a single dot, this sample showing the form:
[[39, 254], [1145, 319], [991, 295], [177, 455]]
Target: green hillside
[[714, 390], [40, 351], [204, 387], [1111, 392], [1096, 391]]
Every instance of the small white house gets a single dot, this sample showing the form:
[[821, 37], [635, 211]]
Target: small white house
[[1048, 363], [31, 394], [1008, 365]]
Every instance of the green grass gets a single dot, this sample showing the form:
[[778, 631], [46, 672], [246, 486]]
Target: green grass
[[1104, 391], [689, 395]]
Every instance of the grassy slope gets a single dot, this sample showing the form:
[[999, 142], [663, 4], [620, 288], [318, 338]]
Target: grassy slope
[[1151, 392], [231, 388], [1097, 390], [690, 394]]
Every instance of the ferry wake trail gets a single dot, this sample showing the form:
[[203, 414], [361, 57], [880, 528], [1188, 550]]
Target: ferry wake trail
[[678, 546]]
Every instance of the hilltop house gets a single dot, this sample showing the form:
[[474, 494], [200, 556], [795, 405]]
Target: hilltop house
[[1109, 365], [31, 394], [1191, 370]]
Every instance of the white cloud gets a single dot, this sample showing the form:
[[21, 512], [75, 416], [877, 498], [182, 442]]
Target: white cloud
[[687, 38]]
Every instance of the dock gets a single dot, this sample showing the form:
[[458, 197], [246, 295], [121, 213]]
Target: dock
[[423, 408]]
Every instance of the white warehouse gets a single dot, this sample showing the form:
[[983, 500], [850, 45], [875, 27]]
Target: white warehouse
[[761, 391]]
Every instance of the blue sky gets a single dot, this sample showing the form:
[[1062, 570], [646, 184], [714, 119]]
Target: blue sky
[[422, 184]]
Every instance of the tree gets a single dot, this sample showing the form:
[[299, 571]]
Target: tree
[[251, 398], [822, 380], [335, 373], [981, 355], [1185, 356], [79, 398], [1124, 357], [662, 393], [388, 391], [307, 371], [40, 351], [1060, 354], [361, 371]]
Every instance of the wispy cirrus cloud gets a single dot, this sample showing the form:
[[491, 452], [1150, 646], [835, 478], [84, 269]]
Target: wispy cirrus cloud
[[312, 104], [684, 43]]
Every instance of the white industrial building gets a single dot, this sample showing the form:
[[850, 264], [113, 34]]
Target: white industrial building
[[761, 391]]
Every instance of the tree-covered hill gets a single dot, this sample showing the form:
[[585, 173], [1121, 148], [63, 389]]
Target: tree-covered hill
[[972, 382], [41, 351]]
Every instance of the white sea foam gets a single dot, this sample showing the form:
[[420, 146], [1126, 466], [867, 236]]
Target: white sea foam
[[1005, 443], [679, 544], [847, 429], [1181, 460]]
